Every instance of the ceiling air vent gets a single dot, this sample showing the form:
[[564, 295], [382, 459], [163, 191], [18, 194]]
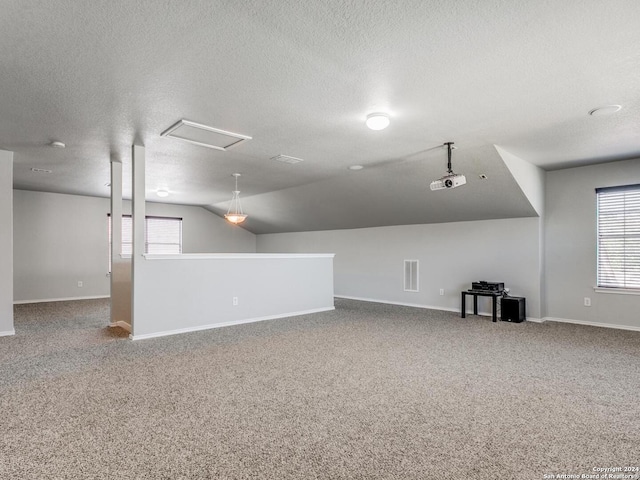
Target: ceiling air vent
[[204, 135], [287, 159]]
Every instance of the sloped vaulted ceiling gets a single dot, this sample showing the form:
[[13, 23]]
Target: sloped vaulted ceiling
[[395, 193]]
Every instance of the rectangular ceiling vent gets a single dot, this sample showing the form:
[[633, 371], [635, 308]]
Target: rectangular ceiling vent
[[204, 135], [287, 159]]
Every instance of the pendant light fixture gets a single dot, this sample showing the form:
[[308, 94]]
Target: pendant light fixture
[[235, 214]]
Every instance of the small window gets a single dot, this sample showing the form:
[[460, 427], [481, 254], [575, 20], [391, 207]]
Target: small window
[[163, 235], [618, 237]]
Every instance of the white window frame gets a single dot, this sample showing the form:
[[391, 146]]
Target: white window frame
[[618, 239], [148, 222]]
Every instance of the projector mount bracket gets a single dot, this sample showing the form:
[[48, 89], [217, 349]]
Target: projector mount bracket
[[449, 169]]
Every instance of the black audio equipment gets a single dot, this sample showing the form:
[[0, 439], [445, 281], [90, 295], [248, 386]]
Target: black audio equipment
[[513, 309], [492, 287]]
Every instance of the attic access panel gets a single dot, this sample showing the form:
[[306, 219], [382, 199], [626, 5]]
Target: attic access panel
[[204, 135]]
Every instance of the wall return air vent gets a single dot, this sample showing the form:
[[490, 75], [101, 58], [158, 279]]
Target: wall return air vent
[[204, 135], [411, 277]]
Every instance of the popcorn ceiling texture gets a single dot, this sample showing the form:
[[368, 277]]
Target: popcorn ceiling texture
[[300, 78], [366, 391]]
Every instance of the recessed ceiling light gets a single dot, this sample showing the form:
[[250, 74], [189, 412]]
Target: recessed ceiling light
[[606, 110], [377, 121], [356, 167], [108, 184], [162, 193], [41, 170], [57, 144]]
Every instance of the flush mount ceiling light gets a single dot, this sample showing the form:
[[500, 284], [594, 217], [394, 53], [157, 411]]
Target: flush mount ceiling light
[[355, 168], [235, 214], [162, 193], [204, 135], [606, 110], [377, 121], [57, 144], [450, 180]]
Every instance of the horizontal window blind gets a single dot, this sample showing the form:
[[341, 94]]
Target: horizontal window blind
[[127, 235], [619, 236], [162, 235]]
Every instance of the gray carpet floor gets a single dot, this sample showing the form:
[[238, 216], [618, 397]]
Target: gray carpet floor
[[367, 391]]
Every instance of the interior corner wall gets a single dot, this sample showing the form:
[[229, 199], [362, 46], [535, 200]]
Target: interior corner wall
[[571, 245], [530, 178], [62, 239], [205, 232], [6, 243], [532, 181], [59, 241], [369, 262]]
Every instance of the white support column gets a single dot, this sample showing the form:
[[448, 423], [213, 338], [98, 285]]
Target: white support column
[[6, 243], [138, 213], [120, 267]]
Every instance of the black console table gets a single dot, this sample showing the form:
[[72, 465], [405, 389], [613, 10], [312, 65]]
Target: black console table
[[494, 302]]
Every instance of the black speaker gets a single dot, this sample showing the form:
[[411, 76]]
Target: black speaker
[[513, 309]]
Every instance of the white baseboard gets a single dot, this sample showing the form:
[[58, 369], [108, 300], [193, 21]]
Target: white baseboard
[[7, 333], [592, 324], [405, 304], [44, 300], [415, 305], [429, 307], [227, 324], [535, 320], [122, 324]]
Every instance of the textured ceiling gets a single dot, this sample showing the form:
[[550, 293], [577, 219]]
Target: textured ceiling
[[300, 78]]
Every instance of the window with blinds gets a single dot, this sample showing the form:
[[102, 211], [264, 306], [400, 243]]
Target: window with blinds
[[619, 236], [162, 235]]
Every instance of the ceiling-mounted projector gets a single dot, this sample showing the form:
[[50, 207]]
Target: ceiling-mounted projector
[[450, 180]]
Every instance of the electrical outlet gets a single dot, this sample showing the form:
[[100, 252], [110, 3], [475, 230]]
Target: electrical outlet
[[587, 302], [235, 301], [442, 291], [80, 284]]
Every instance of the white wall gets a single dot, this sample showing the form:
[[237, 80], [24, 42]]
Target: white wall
[[58, 241], [62, 239], [369, 261], [194, 292], [6, 243], [570, 245]]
